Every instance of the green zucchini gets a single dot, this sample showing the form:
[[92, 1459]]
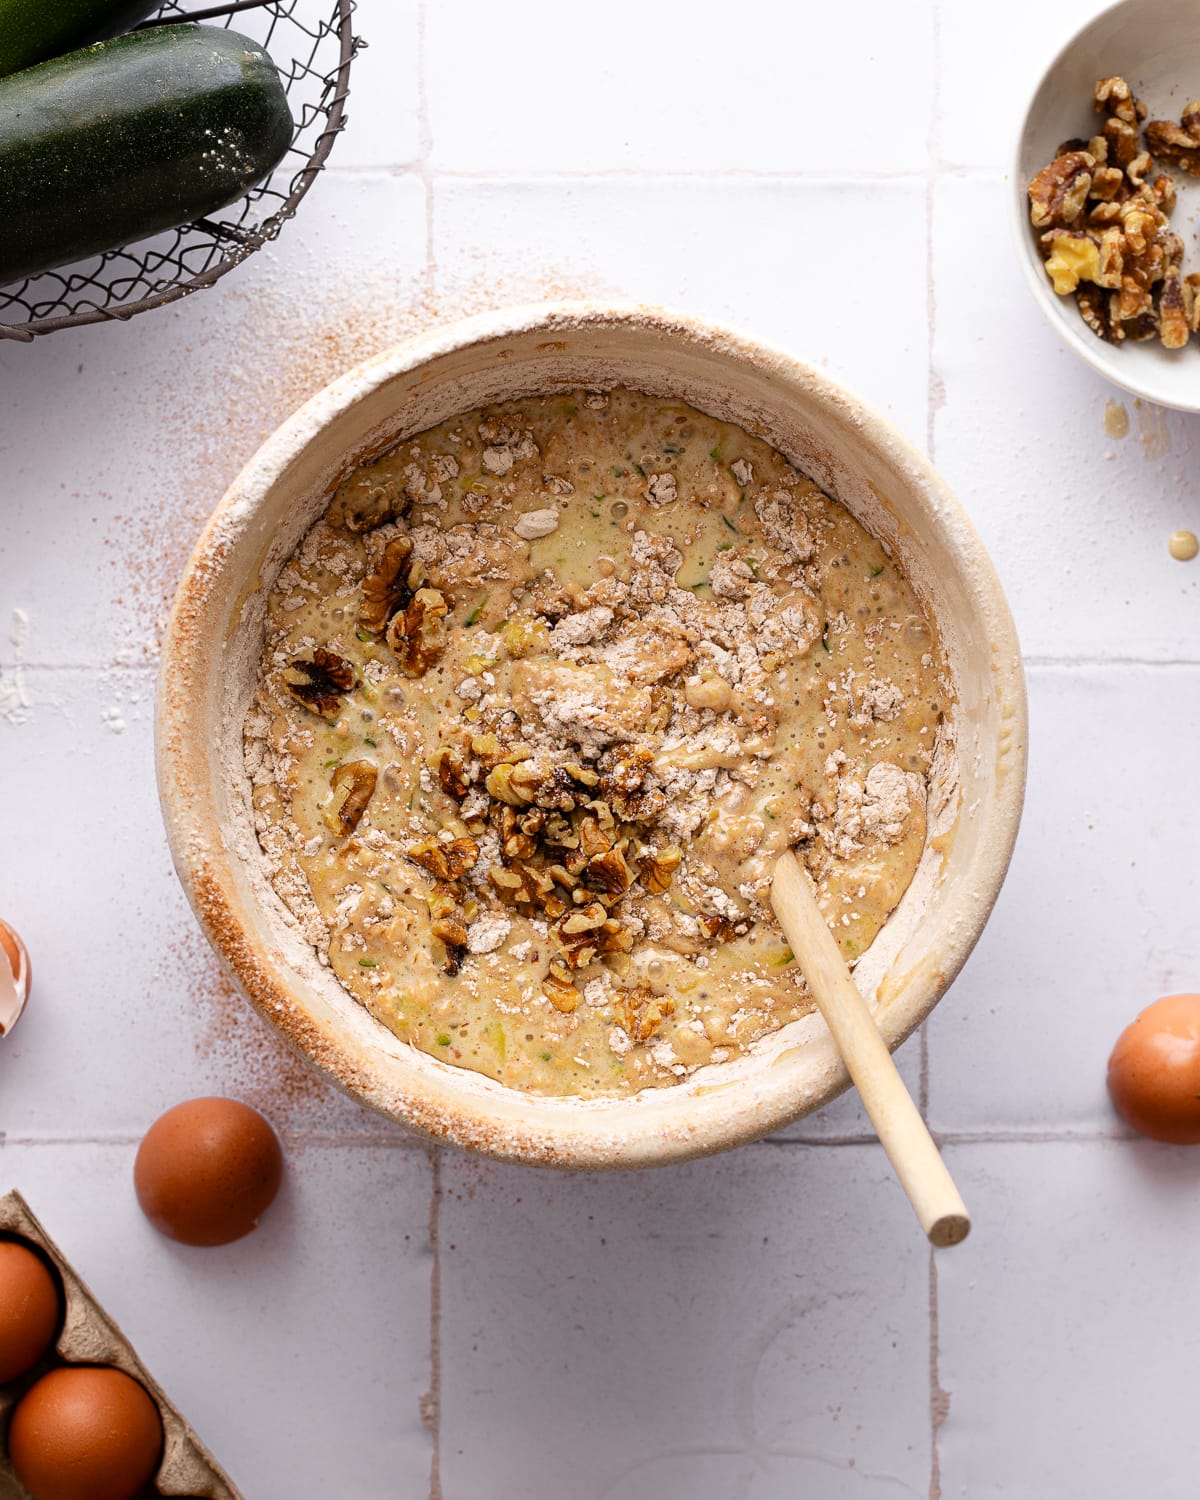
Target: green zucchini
[[33, 30], [131, 137]]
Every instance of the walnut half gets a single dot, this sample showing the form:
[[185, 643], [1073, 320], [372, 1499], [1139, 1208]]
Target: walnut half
[[640, 1012], [389, 588], [320, 681], [353, 785], [445, 861], [418, 635], [1058, 193]]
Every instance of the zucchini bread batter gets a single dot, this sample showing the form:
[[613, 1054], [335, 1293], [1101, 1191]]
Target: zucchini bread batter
[[544, 695]]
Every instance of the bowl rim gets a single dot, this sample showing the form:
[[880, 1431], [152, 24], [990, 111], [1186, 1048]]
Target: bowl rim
[[1076, 338], [638, 1130]]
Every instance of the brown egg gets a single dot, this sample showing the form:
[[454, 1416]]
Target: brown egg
[[29, 1308], [85, 1432], [1154, 1071], [207, 1170]]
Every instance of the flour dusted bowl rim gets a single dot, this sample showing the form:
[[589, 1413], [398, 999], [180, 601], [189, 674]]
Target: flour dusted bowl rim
[[212, 648]]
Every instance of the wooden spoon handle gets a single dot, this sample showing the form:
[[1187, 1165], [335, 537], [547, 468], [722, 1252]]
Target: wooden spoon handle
[[898, 1123]]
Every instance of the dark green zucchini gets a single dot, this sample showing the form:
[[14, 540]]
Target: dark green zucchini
[[33, 30], [130, 137]]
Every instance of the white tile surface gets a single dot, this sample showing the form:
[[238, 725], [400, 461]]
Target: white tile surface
[[800, 88], [758, 1326], [383, 116], [1068, 1322], [254, 1341], [1097, 917], [675, 1332], [759, 261]]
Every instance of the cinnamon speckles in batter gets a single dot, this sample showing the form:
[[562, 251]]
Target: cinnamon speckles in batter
[[544, 695]]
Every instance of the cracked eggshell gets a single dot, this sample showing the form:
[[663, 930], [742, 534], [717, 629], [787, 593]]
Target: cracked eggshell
[[15, 978]]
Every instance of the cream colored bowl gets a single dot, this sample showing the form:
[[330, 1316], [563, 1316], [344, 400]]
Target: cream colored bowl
[[214, 640]]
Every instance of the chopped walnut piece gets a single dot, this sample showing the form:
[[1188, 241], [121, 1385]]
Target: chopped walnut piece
[[1171, 142], [418, 636], [502, 785], [353, 784], [1107, 184], [517, 834], [1137, 170], [577, 934], [450, 931], [641, 1013], [451, 774], [1074, 257], [1058, 193], [657, 870], [1142, 328], [596, 830], [1191, 299], [1162, 193], [1094, 309], [387, 589], [491, 751], [1113, 96], [644, 806], [1173, 327], [559, 988], [1122, 142], [357, 512], [320, 682], [448, 924], [447, 861], [609, 873], [720, 929]]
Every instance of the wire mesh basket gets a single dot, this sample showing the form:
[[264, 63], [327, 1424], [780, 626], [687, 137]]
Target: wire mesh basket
[[313, 57]]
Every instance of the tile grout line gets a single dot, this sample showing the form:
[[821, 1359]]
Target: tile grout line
[[431, 1402], [935, 395], [422, 165], [939, 1399], [319, 1141]]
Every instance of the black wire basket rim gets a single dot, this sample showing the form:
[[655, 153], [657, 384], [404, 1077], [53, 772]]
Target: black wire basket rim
[[244, 243]]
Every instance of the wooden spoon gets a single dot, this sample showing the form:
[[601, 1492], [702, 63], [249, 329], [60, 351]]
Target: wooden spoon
[[897, 1121]]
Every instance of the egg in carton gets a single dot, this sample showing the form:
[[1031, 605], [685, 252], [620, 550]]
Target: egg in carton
[[88, 1336]]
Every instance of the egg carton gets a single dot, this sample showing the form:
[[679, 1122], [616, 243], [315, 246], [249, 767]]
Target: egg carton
[[89, 1336]]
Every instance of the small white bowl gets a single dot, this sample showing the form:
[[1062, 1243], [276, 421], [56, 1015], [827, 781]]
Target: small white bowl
[[214, 642], [1155, 46]]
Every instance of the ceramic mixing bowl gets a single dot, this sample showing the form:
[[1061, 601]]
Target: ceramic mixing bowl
[[215, 637]]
